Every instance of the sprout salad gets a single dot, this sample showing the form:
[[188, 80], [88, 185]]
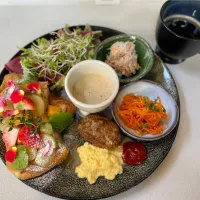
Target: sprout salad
[[50, 60]]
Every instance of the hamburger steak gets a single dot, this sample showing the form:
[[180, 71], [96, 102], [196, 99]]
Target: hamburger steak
[[99, 131]]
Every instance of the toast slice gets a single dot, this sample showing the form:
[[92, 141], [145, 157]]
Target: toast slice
[[14, 77], [33, 170], [61, 152]]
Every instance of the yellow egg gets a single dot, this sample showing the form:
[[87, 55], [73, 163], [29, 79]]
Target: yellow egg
[[96, 162]]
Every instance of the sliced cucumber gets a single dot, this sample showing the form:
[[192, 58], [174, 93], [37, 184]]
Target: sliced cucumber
[[32, 153], [46, 129]]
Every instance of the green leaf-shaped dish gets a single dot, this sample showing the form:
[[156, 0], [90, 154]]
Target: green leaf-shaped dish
[[143, 50]]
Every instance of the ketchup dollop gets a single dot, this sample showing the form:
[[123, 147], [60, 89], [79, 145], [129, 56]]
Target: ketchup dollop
[[134, 153]]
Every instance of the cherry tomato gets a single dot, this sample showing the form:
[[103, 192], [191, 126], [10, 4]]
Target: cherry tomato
[[134, 153]]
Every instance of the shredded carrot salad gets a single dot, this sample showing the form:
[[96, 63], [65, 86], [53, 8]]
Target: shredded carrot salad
[[142, 114]]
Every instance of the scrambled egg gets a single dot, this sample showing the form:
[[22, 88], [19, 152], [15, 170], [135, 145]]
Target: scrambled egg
[[97, 162]]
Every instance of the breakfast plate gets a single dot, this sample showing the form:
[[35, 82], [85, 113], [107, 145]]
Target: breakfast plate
[[62, 181]]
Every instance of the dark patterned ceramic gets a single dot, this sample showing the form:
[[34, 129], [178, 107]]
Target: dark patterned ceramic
[[62, 181]]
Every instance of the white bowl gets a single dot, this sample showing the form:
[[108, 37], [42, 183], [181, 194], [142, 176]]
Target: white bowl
[[151, 90], [91, 67]]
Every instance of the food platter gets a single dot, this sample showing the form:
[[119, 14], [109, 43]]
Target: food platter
[[62, 182]]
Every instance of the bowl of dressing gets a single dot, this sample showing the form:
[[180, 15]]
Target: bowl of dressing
[[91, 85]]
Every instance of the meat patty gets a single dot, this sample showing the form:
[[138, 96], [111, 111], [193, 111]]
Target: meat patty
[[99, 131]]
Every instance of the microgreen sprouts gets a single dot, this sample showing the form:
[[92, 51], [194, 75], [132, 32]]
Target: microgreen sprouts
[[50, 60]]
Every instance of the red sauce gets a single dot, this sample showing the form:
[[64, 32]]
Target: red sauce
[[134, 153]]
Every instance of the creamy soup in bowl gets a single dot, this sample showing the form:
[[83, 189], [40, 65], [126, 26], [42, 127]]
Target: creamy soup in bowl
[[92, 89], [91, 85]]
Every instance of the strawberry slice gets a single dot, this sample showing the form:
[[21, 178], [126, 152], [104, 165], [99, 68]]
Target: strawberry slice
[[28, 138], [10, 137], [3, 103], [11, 154], [28, 104], [25, 104], [17, 96], [34, 87]]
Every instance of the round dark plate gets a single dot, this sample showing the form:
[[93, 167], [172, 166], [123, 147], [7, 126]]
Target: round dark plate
[[62, 181]]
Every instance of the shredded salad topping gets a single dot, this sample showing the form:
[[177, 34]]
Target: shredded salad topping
[[142, 114]]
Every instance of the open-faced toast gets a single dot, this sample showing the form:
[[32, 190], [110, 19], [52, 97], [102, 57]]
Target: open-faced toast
[[33, 147], [34, 170]]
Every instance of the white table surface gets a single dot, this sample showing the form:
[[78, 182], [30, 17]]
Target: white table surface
[[178, 177]]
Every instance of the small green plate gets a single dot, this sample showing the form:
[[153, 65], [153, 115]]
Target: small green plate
[[143, 50]]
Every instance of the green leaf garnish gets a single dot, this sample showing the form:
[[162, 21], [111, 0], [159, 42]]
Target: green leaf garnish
[[142, 126], [61, 121], [87, 28], [145, 125], [21, 161], [20, 104], [10, 128], [155, 109]]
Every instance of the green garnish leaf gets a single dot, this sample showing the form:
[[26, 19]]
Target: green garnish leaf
[[97, 33], [145, 100], [155, 109], [20, 104], [149, 106], [144, 125], [10, 129], [78, 31], [11, 124], [29, 120], [87, 28], [59, 84], [61, 121], [21, 161]]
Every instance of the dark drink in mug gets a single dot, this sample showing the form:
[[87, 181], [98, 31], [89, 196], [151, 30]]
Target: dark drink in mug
[[178, 31], [184, 26]]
